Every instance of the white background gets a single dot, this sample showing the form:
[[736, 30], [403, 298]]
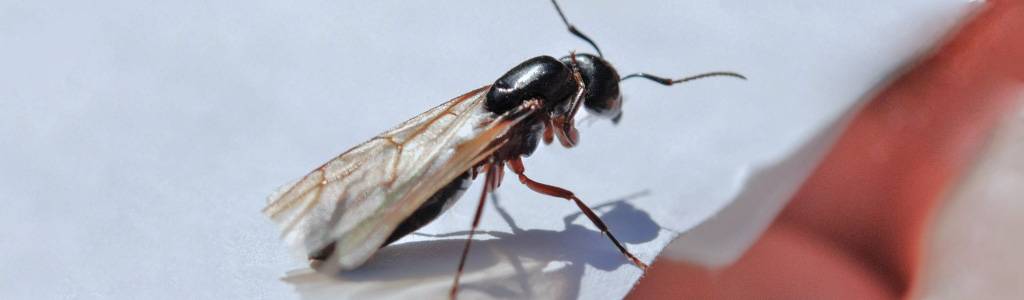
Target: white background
[[140, 139]]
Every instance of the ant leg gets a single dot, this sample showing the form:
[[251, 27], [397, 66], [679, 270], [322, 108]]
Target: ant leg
[[565, 129], [517, 167], [489, 182]]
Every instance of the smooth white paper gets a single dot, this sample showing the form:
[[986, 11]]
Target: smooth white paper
[[140, 140]]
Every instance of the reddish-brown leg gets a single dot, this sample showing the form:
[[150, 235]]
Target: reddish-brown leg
[[517, 167], [566, 125], [499, 170], [567, 134], [549, 134], [488, 185]]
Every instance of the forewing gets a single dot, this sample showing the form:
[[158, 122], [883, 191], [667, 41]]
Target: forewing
[[359, 197]]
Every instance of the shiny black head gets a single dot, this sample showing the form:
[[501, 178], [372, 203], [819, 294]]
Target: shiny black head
[[602, 96], [602, 81]]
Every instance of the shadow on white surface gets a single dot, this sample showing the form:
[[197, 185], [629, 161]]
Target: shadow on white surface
[[523, 263]]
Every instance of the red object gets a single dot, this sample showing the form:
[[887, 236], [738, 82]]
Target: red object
[[854, 230]]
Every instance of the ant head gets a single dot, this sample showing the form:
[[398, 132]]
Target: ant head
[[602, 81], [602, 96]]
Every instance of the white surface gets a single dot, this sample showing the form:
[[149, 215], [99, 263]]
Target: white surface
[[141, 139]]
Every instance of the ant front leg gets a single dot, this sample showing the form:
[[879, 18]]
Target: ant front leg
[[516, 165]]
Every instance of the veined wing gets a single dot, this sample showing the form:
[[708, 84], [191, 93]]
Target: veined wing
[[358, 198]]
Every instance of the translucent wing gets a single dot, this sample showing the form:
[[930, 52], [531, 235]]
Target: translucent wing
[[358, 198]]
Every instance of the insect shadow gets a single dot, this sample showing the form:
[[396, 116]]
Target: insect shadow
[[520, 264]]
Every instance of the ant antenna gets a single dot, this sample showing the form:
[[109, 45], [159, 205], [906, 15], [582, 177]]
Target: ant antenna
[[661, 80], [667, 81], [572, 29]]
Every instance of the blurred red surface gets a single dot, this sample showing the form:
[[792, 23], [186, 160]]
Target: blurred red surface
[[854, 230]]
